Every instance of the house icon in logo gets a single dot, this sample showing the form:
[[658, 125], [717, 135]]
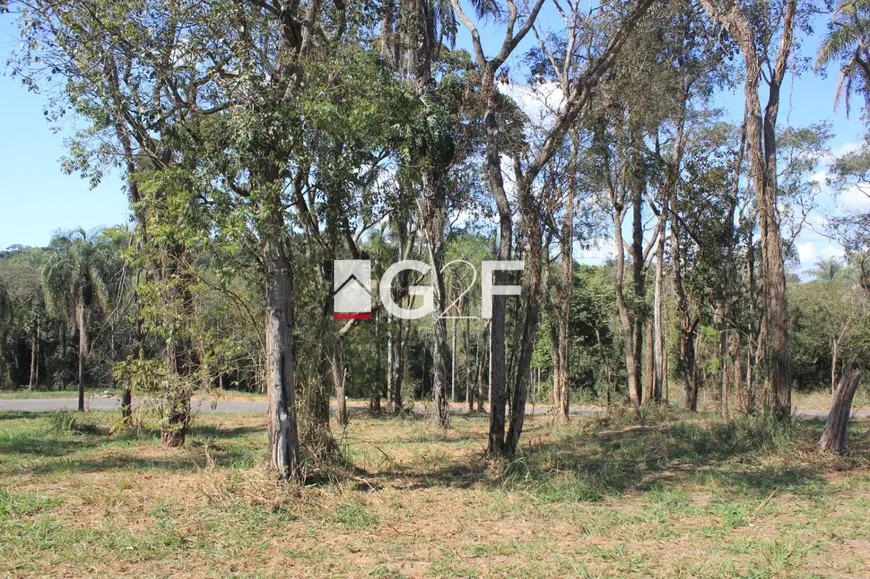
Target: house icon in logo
[[351, 289]]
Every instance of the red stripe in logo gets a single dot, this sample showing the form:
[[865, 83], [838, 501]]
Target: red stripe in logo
[[351, 316]]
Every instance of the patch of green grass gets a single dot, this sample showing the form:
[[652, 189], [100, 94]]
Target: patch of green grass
[[382, 572], [15, 505], [355, 514]]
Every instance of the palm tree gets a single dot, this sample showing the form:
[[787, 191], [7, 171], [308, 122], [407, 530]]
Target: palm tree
[[75, 283], [829, 269], [848, 42]]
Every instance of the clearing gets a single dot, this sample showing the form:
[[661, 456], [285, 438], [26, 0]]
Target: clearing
[[666, 495]]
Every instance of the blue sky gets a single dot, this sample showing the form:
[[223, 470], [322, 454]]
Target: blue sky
[[37, 199]]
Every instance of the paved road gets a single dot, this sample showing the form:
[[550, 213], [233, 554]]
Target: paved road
[[233, 407], [52, 404]]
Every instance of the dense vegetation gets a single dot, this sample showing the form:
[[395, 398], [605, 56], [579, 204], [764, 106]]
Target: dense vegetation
[[261, 140]]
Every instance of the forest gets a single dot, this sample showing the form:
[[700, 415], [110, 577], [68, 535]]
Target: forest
[[262, 141]]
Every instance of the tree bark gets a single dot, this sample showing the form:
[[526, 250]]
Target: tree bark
[[532, 232], [81, 322], [283, 433], [482, 366], [688, 325], [649, 381], [836, 433], [564, 291], [639, 285], [34, 356], [453, 363], [633, 380], [658, 323], [497, 374]]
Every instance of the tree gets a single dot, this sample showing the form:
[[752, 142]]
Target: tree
[[848, 42], [75, 282], [829, 269], [755, 38]]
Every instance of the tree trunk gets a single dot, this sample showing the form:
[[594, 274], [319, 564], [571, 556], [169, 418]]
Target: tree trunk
[[34, 356], [835, 436], [83, 348], [658, 324], [470, 385], [453, 364], [497, 374], [649, 381], [127, 406], [564, 291], [689, 398], [375, 400], [391, 370], [482, 366], [633, 382], [835, 363], [688, 325], [432, 218], [283, 433], [339, 384], [531, 221], [639, 285]]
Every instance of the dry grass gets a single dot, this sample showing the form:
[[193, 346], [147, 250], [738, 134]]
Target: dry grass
[[669, 496]]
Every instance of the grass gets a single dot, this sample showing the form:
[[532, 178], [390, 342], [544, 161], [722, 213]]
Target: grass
[[821, 400], [25, 393], [608, 496]]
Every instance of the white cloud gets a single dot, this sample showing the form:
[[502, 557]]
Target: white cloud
[[840, 150], [811, 251], [599, 253], [538, 102], [855, 198]]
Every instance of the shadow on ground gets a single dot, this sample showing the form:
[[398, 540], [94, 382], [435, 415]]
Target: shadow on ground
[[597, 460]]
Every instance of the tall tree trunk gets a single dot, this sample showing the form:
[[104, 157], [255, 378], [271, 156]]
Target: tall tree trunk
[[391, 369], [34, 356], [284, 456], [482, 367], [688, 325], [639, 285], [658, 322], [556, 348], [564, 291], [497, 374], [633, 379], [531, 221], [402, 244], [835, 363], [82, 324], [649, 381], [688, 369], [723, 363], [338, 375], [453, 364], [470, 385]]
